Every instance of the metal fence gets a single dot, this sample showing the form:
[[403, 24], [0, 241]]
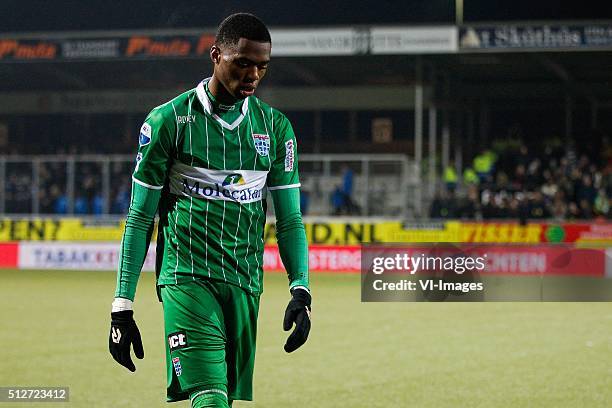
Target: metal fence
[[382, 185]]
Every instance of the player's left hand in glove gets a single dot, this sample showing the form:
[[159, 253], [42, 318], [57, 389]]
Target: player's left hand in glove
[[298, 312], [123, 334]]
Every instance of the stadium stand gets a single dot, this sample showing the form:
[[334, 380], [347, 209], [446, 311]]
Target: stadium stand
[[520, 184]]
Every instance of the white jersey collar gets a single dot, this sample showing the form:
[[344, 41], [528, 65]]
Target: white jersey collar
[[207, 104]]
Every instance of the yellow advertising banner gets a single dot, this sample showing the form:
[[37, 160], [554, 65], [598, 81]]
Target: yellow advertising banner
[[76, 229], [66, 229], [329, 232]]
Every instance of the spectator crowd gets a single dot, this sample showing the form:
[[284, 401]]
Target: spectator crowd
[[558, 181], [517, 183], [53, 193]]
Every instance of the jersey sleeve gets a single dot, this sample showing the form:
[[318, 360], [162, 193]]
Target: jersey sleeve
[[291, 236], [284, 170], [136, 238], [155, 148]]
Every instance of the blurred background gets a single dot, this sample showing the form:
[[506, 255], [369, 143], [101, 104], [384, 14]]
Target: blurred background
[[470, 122], [438, 121], [425, 110]]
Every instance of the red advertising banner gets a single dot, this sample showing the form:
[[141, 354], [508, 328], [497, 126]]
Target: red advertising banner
[[129, 47], [506, 259], [542, 259], [321, 258], [9, 255], [596, 233], [28, 50], [177, 46]]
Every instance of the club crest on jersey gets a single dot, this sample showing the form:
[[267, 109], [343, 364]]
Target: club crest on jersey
[[176, 362], [145, 134], [262, 144]]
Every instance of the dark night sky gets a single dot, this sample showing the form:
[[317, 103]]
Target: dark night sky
[[45, 15]]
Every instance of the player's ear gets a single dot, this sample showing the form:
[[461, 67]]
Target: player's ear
[[215, 54]]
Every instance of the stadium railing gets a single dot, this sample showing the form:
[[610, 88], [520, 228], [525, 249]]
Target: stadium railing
[[380, 185]]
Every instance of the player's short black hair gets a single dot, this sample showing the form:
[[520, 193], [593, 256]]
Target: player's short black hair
[[241, 25]]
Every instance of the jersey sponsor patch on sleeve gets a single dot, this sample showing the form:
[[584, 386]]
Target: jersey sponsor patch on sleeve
[[145, 134], [289, 155]]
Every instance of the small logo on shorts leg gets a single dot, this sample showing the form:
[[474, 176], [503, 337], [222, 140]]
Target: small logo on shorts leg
[[177, 340], [176, 362]]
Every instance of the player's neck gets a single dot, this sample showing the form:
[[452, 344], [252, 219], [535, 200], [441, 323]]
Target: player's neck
[[220, 94]]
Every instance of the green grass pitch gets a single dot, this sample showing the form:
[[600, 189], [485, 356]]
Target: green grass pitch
[[55, 333]]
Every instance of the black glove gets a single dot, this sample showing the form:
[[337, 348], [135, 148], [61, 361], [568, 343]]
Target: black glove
[[123, 334], [298, 311]]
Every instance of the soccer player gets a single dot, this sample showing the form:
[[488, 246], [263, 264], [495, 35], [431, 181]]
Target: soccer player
[[206, 160]]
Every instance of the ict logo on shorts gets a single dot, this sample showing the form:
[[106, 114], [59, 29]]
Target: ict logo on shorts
[[262, 144], [176, 362], [177, 340]]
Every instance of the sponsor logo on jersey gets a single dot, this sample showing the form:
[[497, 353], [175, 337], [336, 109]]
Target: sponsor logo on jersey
[[145, 134], [177, 340], [220, 191], [233, 179], [241, 186], [176, 362], [185, 119], [262, 144], [289, 155]]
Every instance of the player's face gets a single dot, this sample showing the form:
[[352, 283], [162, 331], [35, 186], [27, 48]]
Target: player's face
[[240, 68]]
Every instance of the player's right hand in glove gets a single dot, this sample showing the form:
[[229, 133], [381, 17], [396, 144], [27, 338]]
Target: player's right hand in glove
[[123, 334], [298, 312]]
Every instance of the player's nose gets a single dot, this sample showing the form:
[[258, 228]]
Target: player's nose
[[252, 74]]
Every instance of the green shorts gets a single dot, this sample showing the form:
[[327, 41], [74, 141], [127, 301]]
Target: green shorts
[[210, 329]]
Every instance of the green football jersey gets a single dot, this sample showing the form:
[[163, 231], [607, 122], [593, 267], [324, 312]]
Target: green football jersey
[[215, 176]]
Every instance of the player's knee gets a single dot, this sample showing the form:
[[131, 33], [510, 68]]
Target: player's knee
[[209, 399]]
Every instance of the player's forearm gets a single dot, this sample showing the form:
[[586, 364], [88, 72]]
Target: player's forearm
[[291, 236], [293, 248], [136, 238], [133, 253]]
